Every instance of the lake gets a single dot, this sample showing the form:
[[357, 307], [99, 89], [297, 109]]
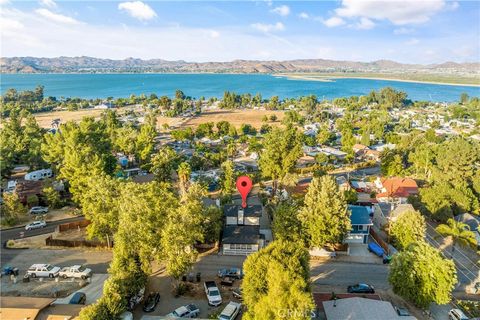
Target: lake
[[213, 85]]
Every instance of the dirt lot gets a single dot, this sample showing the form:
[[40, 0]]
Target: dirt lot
[[42, 287], [235, 117]]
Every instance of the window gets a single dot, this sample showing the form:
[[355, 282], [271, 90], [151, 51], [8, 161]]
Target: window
[[360, 227]]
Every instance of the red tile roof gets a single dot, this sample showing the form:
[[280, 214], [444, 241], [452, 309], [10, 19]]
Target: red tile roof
[[398, 188]]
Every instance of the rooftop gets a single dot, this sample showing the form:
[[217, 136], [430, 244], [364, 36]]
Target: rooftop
[[241, 234], [231, 210], [360, 215]]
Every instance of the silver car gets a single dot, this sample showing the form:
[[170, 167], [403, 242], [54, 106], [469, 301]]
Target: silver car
[[38, 210], [35, 225]]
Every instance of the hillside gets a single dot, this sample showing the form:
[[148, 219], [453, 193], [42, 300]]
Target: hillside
[[96, 65]]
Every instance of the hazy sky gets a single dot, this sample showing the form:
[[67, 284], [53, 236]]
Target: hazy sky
[[411, 31]]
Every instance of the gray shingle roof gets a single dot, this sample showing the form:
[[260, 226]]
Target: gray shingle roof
[[241, 234]]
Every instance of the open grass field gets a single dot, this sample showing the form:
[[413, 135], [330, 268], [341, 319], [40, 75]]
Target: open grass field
[[235, 117], [407, 77], [44, 119]]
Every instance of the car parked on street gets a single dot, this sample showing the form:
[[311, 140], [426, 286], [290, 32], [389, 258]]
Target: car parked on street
[[361, 288], [78, 298], [35, 225], [38, 210], [188, 311], [457, 314], [151, 302], [230, 312], [43, 271], [235, 273]]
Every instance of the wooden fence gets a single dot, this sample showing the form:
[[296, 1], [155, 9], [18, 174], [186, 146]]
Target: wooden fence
[[72, 225], [73, 243], [379, 240]]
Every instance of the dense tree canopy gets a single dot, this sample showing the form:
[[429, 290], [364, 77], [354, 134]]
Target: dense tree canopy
[[408, 228], [420, 274]]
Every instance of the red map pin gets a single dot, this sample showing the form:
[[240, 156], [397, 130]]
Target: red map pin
[[244, 185]]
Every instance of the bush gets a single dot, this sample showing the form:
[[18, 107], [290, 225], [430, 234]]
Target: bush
[[32, 200]]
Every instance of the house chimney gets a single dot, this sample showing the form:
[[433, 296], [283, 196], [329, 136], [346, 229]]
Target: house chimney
[[240, 217]]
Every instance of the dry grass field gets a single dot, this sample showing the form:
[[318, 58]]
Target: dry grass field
[[235, 117]]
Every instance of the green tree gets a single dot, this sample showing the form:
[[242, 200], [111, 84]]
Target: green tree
[[282, 150], [276, 279], [184, 171], [408, 228], [459, 232], [273, 118], [420, 274], [145, 143], [286, 224], [325, 215], [12, 209], [163, 163], [228, 178], [351, 196], [182, 229], [53, 197]]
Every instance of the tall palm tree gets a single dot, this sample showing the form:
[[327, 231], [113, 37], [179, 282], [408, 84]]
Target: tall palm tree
[[459, 232], [184, 171]]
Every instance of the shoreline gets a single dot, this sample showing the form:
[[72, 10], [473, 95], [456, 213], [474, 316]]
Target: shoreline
[[330, 79]]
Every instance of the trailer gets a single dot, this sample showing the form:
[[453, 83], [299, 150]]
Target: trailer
[[39, 175]]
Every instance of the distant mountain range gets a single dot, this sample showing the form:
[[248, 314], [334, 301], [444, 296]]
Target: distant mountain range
[[132, 65]]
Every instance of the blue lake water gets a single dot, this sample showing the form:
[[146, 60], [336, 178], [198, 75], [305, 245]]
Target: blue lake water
[[213, 85]]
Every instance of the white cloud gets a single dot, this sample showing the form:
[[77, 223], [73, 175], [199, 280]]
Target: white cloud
[[412, 42], [399, 13], [48, 3], [303, 15], [214, 34], [4, 2], [365, 24], [453, 5], [403, 30], [138, 10], [268, 27], [333, 22], [281, 10], [56, 17]]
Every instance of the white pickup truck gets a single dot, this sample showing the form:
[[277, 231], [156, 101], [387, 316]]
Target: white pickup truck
[[76, 271], [213, 294]]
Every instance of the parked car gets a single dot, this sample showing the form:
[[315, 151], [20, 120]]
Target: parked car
[[38, 210], [237, 293], [235, 273], [76, 271], [35, 225], [151, 302], [188, 311], [43, 270], [403, 312], [213, 294], [231, 311], [78, 298], [457, 314], [361, 288]]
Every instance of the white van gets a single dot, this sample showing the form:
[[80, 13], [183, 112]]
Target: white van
[[39, 175]]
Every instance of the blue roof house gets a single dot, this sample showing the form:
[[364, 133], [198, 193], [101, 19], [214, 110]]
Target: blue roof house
[[361, 223]]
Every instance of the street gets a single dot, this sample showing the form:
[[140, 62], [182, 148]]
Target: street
[[16, 233]]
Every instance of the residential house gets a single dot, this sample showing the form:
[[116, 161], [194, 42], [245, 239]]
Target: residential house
[[385, 213], [242, 234], [395, 190], [361, 222], [357, 308], [342, 183]]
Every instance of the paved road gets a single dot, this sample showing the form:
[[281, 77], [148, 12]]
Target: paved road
[[16, 233], [343, 274], [468, 268]]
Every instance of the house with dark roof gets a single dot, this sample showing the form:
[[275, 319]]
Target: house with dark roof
[[361, 221], [242, 234]]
